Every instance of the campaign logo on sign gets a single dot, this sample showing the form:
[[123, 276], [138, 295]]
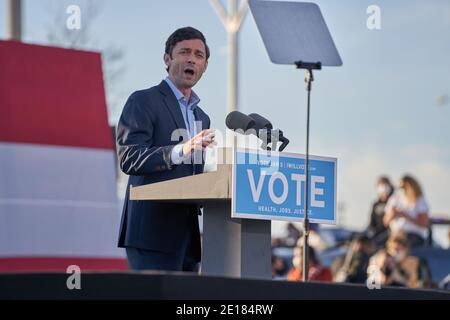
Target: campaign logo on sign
[[271, 186]]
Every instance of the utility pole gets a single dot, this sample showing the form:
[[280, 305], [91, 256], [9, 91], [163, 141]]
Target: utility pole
[[232, 22], [14, 31]]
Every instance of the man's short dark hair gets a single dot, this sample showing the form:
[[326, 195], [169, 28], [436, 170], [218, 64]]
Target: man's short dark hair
[[186, 33]]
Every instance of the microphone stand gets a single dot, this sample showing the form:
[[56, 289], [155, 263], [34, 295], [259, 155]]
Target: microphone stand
[[272, 136], [309, 67]]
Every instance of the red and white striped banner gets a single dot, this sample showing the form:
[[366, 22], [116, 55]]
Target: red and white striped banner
[[58, 201]]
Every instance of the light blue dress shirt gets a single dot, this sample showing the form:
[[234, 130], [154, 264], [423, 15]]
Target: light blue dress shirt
[[187, 109]]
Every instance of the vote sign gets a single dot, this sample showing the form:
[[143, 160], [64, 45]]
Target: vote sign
[[271, 186]]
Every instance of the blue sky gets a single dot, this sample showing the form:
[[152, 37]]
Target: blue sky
[[378, 113]]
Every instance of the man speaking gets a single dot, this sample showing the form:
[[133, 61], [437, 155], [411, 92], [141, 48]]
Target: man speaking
[[158, 134]]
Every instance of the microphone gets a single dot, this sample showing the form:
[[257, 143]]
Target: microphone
[[262, 128], [260, 122], [265, 131], [238, 121]]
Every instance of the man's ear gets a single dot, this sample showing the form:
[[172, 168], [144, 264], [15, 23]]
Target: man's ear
[[167, 59]]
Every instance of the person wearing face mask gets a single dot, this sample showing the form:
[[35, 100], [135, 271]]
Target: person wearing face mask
[[316, 271], [376, 230], [397, 267], [407, 211]]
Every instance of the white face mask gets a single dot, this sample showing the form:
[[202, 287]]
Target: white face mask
[[383, 190], [399, 256], [297, 262]]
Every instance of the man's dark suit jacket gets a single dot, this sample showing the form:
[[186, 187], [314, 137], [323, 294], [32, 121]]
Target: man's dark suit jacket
[[144, 150]]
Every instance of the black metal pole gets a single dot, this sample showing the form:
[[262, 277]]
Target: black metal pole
[[309, 67], [309, 78]]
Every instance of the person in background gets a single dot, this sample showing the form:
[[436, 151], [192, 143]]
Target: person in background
[[316, 272], [293, 234], [356, 261], [376, 230], [408, 212], [397, 267], [279, 268]]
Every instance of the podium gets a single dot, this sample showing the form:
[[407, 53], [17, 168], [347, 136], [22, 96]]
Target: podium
[[230, 247]]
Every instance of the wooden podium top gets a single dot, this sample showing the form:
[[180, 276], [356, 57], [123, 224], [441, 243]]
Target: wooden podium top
[[214, 185]]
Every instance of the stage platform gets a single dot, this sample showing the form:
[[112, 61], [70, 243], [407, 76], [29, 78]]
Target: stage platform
[[178, 286]]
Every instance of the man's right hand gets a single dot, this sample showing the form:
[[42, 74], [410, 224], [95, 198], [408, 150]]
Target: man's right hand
[[202, 140]]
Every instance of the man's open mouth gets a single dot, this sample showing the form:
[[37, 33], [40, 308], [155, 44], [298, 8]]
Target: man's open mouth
[[189, 71]]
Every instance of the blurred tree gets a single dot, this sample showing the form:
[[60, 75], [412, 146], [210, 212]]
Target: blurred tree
[[59, 34]]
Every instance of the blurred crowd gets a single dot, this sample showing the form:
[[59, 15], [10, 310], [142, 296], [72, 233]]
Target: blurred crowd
[[381, 255]]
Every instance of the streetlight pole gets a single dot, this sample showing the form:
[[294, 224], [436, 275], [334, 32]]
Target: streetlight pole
[[232, 21], [14, 30]]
